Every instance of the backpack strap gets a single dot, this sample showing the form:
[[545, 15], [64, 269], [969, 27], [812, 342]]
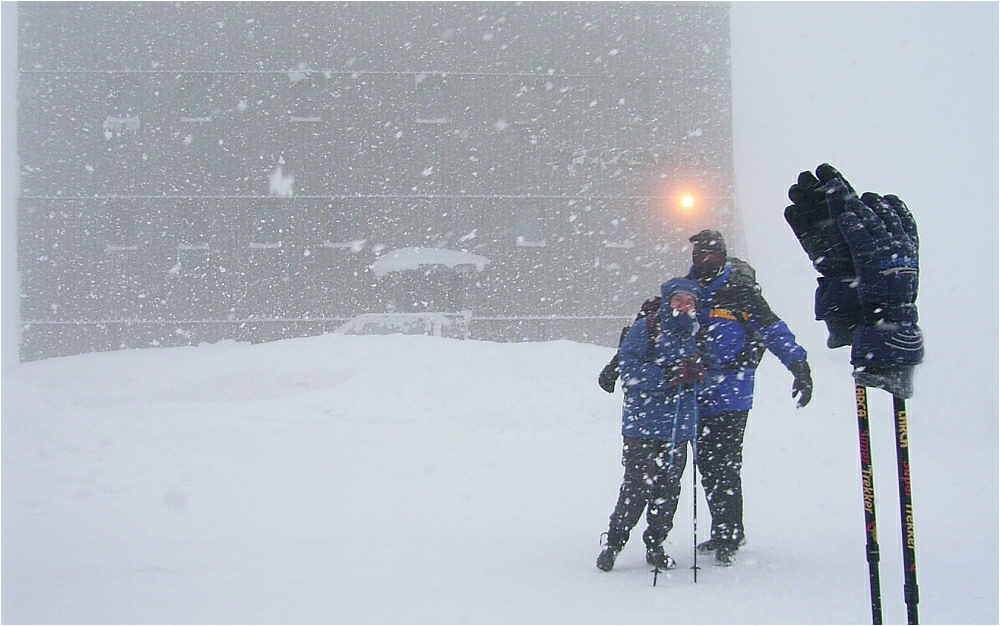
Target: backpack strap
[[652, 329]]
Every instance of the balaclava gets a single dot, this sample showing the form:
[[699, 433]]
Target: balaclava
[[708, 255]]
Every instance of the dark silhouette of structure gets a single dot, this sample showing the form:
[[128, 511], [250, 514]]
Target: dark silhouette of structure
[[201, 171]]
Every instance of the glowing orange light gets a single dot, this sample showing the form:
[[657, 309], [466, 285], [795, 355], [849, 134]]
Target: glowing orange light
[[681, 199]]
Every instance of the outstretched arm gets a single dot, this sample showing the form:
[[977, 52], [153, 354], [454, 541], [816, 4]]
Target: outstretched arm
[[781, 342]]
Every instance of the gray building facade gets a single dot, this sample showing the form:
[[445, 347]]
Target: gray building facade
[[195, 172]]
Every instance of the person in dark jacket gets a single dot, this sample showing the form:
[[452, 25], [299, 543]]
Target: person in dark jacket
[[661, 364], [735, 317]]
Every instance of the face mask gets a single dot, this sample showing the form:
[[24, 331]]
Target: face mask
[[707, 272], [688, 322]]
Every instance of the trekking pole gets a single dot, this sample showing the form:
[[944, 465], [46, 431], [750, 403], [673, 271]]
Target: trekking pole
[[868, 490], [673, 446], [694, 495], [910, 593], [694, 483]]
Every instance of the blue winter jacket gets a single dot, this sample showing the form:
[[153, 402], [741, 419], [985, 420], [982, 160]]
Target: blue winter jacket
[[729, 295], [653, 408]]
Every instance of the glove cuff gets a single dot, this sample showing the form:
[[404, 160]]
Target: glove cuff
[[898, 381], [800, 368], [887, 345]]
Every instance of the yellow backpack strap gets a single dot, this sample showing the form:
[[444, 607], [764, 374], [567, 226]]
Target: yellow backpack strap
[[729, 315]]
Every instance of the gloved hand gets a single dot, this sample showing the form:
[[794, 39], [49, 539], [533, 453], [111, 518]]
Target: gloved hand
[[802, 384], [882, 236], [606, 379], [686, 372], [816, 228]]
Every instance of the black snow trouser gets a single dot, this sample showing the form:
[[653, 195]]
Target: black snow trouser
[[651, 483], [720, 459]]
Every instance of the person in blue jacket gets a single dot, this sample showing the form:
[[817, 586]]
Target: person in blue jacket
[[739, 324], [661, 364]]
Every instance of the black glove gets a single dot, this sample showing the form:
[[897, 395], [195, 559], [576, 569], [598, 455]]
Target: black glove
[[815, 226], [810, 220], [802, 384], [606, 379]]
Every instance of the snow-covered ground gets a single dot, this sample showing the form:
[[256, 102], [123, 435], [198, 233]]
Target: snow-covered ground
[[414, 479], [426, 480]]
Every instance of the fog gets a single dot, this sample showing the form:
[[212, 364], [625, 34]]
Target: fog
[[234, 171], [890, 93], [903, 99]]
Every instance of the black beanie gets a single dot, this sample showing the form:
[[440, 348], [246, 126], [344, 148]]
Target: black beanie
[[708, 241]]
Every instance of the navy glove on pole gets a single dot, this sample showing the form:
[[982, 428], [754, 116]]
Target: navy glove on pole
[[866, 250], [882, 236], [810, 218]]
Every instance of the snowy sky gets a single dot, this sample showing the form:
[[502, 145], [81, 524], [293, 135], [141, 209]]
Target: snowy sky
[[902, 97]]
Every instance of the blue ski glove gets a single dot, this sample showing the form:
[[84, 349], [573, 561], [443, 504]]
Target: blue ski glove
[[816, 228], [882, 236]]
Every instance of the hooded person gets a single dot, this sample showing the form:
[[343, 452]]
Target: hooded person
[[663, 361], [739, 324]]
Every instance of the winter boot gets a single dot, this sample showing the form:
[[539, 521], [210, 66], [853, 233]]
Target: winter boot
[[612, 546], [725, 552], [606, 559], [659, 559], [708, 547]]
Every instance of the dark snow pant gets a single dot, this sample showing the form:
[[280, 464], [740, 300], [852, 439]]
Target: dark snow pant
[[650, 483], [720, 459]]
